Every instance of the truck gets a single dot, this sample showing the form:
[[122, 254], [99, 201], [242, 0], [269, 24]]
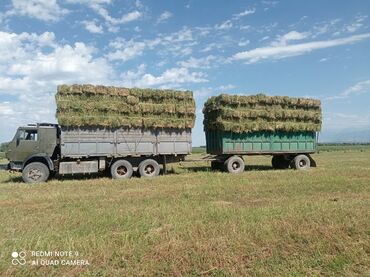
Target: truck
[[43, 150], [288, 149]]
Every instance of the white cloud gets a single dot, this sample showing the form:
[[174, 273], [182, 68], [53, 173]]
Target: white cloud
[[357, 89], [284, 51], [198, 63], [89, 2], [356, 25], [92, 27], [291, 36], [226, 87], [224, 25], [172, 77], [46, 10], [126, 18], [125, 50], [323, 60], [244, 13], [243, 43], [164, 17], [32, 65]]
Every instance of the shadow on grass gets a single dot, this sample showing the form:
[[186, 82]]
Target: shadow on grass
[[18, 179], [209, 169]]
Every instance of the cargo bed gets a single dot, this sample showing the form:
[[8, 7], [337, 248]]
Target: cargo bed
[[262, 142], [95, 142]]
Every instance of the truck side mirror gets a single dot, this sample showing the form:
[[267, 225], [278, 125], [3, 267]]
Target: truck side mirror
[[18, 140]]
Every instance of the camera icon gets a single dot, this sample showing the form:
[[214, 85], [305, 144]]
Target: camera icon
[[19, 258]]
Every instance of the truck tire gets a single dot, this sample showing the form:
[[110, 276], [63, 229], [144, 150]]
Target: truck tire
[[234, 164], [35, 172], [280, 162], [301, 162], [149, 168], [121, 169]]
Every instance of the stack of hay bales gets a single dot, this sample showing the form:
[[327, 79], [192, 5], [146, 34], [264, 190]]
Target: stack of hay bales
[[238, 113], [89, 105]]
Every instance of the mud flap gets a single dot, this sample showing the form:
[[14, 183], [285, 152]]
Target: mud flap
[[312, 161]]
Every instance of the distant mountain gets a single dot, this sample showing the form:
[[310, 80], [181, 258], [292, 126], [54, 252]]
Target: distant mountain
[[347, 136]]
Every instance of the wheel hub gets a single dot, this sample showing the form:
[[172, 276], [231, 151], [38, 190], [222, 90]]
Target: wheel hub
[[149, 169], [122, 170], [235, 165], [34, 174]]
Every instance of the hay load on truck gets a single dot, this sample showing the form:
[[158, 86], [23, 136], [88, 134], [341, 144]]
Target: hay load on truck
[[285, 128], [106, 129]]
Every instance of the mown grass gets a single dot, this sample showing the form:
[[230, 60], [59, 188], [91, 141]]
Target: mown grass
[[194, 222]]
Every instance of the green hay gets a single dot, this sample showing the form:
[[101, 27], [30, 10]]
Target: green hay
[[261, 113], [80, 105]]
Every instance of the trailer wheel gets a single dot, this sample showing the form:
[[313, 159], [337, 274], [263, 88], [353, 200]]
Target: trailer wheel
[[234, 165], [121, 169], [35, 172], [149, 168], [280, 162], [301, 162]]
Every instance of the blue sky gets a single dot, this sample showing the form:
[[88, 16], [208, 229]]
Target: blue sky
[[314, 49]]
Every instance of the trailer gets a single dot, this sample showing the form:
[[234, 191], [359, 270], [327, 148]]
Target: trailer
[[43, 150], [288, 149]]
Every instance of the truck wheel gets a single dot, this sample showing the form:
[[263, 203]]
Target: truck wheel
[[121, 169], [149, 168], [280, 162], [35, 172], [301, 162], [234, 164]]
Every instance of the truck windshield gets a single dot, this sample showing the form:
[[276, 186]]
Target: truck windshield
[[27, 134]]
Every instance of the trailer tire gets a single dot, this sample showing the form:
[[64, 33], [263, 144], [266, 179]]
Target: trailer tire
[[35, 172], [149, 168], [301, 162], [121, 169], [234, 164]]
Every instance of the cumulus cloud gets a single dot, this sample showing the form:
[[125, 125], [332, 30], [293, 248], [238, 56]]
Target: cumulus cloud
[[280, 51], [45, 10], [125, 50], [126, 18], [32, 65], [92, 27], [164, 17], [172, 77]]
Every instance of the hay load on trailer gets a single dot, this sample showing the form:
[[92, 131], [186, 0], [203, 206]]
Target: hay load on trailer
[[281, 126], [259, 112], [88, 105]]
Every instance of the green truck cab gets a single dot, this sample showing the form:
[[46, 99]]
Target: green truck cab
[[35, 145]]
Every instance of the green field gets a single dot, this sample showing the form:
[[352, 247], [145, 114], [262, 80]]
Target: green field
[[195, 222]]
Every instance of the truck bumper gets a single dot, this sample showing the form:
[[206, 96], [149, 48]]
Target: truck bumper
[[15, 166]]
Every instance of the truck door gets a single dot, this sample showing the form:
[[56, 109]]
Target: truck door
[[26, 144]]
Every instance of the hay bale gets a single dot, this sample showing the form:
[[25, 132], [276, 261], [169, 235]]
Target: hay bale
[[260, 112], [88, 105]]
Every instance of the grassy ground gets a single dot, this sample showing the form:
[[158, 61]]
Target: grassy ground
[[195, 222]]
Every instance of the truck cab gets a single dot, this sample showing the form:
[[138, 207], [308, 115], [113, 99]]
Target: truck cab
[[37, 145]]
